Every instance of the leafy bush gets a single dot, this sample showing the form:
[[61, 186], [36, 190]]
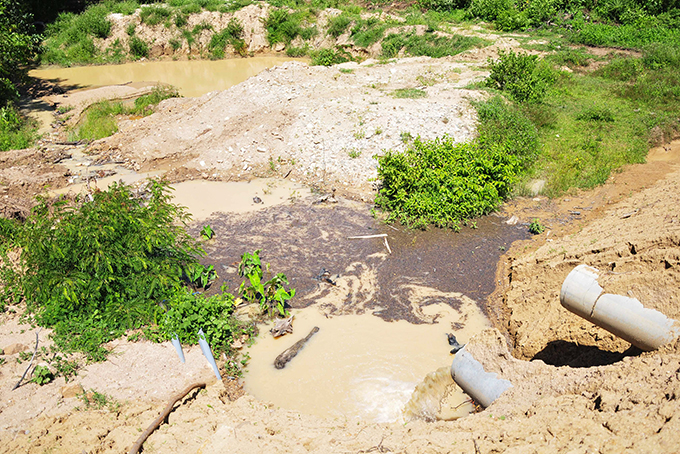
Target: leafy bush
[[443, 5], [442, 183], [42, 375], [282, 26], [601, 114], [521, 76], [188, 312], [91, 269], [328, 57], [622, 69], [17, 48], [154, 15], [271, 295], [502, 124], [536, 228], [231, 34], [138, 47], [338, 25], [15, 132]]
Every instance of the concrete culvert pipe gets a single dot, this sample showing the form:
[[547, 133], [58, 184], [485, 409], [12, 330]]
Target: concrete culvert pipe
[[624, 317], [468, 373]]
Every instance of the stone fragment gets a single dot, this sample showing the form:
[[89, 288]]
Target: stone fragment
[[73, 390], [15, 348]]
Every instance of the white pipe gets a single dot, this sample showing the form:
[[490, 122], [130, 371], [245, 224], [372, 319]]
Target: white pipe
[[624, 317], [468, 373], [178, 348], [205, 348]]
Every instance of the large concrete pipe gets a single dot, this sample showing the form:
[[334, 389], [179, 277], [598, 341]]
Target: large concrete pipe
[[468, 373], [624, 317]]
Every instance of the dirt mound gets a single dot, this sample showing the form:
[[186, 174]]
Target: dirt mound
[[316, 124]]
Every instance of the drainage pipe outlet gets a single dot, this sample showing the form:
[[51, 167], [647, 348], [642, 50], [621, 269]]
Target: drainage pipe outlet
[[624, 317], [468, 373]]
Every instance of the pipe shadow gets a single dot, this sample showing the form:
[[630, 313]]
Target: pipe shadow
[[563, 353]]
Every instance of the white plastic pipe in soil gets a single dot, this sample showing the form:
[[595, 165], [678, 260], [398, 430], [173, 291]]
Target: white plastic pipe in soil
[[468, 373], [205, 348], [178, 348], [624, 317]]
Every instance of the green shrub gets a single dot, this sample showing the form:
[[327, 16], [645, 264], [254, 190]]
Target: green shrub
[[42, 375], [443, 5], [622, 69], [536, 228], [601, 114], [231, 34], [328, 57], [490, 9], [443, 183], [627, 36], [143, 104], [282, 26], [154, 15], [15, 132], [661, 55], [521, 76], [296, 52], [188, 312], [338, 25], [138, 47], [94, 268]]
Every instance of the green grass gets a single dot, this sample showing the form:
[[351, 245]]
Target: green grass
[[429, 45], [412, 93], [100, 119], [16, 132]]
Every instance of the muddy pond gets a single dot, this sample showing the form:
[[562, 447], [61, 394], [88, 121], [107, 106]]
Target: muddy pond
[[191, 77], [382, 318], [381, 353]]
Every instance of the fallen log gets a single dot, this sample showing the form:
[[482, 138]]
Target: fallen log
[[288, 354]]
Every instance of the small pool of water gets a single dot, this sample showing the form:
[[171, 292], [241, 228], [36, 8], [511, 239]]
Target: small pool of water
[[191, 77], [360, 366]]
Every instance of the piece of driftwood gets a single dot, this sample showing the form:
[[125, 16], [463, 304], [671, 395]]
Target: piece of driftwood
[[164, 414], [282, 327], [31, 363], [288, 354]]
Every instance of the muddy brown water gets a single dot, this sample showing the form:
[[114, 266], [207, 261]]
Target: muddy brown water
[[382, 341], [191, 77], [303, 238]]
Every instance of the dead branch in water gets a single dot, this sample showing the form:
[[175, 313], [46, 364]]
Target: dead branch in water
[[164, 414], [288, 354]]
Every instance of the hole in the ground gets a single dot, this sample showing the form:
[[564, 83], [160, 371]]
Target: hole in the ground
[[565, 353]]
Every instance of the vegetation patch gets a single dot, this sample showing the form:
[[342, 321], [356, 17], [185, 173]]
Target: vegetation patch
[[429, 44], [232, 34], [98, 265], [412, 93], [100, 119], [444, 183]]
